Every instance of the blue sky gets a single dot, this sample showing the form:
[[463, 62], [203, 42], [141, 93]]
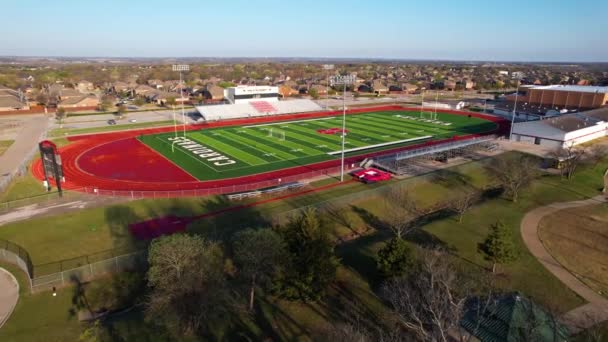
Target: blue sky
[[531, 30]]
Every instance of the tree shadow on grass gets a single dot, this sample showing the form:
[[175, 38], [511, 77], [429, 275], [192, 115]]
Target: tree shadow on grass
[[118, 218], [224, 218], [357, 255]]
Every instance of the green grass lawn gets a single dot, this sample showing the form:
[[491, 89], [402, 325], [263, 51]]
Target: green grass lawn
[[93, 230], [4, 145], [42, 317], [25, 186], [63, 132], [578, 239], [236, 151]]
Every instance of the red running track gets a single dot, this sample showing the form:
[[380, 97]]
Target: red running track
[[119, 162]]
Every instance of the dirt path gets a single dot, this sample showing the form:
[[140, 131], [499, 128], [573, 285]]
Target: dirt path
[[585, 316]]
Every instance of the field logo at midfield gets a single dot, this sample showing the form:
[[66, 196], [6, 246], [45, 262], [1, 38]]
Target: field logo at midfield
[[202, 151]]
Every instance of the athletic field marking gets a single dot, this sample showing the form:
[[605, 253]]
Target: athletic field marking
[[380, 145], [279, 123], [192, 155]]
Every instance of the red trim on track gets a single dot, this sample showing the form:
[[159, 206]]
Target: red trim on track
[[87, 166]]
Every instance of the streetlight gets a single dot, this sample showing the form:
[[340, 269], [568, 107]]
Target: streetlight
[[327, 67], [181, 68], [343, 80]]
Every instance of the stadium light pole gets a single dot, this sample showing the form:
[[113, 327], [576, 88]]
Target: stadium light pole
[[181, 68], [343, 80], [422, 104], [514, 110], [327, 67]]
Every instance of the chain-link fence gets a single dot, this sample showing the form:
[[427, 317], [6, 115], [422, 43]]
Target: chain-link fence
[[135, 194], [22, 168], [121, 263], [50, 197], [14, 254]]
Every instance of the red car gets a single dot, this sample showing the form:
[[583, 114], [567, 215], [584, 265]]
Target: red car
[[371, 175]]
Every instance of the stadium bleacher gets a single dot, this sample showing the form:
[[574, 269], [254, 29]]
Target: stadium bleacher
[[256, 108], [263, 106]]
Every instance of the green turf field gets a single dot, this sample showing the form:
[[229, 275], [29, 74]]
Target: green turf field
[[242, 150]]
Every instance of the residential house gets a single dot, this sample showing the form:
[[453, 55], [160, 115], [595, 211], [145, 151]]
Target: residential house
[[81, 101], [143, 90], [287, 91], [321, 89], [216, 92], [379, 87], [85, 87], [409, 88], [449, 85], [12, 100]]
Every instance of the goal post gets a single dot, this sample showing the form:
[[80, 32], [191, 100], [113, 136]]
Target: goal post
[[276, 133]]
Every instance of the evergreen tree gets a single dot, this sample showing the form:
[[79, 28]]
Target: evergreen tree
[[312, 263], [395, 258], [498, 246]]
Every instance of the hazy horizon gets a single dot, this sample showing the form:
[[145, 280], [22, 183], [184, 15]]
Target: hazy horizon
[[518, 31]]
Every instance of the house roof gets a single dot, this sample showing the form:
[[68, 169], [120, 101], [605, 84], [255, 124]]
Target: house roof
[[75, 100], [10, 101], [10, 98], [69, 92]]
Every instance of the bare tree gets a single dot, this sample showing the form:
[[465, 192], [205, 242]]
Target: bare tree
[[463, 201], [400, 211], [187, 281], [514, 173], [338, 214], [60, 114], [569, 158], [427, 304], [597, 153]]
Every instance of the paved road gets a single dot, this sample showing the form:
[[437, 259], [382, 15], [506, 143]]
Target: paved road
[[73, 202], [101, 120], [25, 141], [585, 316], [9, 295]]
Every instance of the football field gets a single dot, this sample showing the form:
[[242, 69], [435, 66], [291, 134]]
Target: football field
[[235, 151]]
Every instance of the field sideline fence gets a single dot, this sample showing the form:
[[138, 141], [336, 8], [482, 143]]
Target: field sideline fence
[[136, 194]]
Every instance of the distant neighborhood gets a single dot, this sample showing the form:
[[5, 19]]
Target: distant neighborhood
[[45, 87]]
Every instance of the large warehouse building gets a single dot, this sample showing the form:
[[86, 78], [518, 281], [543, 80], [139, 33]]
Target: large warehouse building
[[565, 130], [558, 97]]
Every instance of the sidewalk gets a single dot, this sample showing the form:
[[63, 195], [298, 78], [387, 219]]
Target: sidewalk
[[587, 315], [25, 142], [9, 295]]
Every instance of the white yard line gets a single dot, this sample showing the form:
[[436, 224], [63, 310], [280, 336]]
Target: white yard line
[[288, 122], [380, 145]]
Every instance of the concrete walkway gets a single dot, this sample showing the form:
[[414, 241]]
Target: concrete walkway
[[25, 141], [9, 295], [587, 315]]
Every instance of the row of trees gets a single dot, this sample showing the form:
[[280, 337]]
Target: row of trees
[[194, 281]]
